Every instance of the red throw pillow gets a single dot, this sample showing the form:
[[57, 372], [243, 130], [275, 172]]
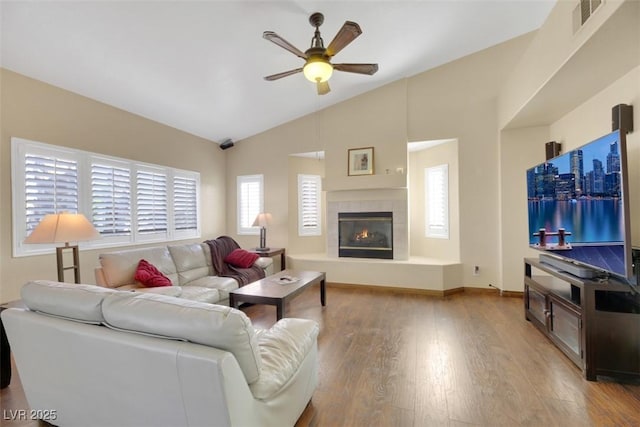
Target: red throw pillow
[[241, 258], [150, 276]]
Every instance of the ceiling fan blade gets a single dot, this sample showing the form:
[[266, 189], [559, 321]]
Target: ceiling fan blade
[[273, 77], [348, 32], [273, 37], [369, 69], [323, 88]]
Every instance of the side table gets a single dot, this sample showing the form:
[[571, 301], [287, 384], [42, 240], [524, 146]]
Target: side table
[[271, 252]]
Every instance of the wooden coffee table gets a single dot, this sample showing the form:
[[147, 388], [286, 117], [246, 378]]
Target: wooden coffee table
[[272, 291]]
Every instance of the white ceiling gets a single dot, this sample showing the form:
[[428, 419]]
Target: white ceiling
[[199, 65]]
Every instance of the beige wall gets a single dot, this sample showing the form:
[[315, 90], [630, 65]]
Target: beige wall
[[442, 249], [304, 244], [268, 154], [375, 119], [520, 149], [554, 44], [593, 119], [457, 100], [40, 112]]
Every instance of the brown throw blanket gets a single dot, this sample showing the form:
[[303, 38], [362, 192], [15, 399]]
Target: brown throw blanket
[[223, 246]]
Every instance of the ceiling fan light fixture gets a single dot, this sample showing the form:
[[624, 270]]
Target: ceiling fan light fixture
[[317, 70]]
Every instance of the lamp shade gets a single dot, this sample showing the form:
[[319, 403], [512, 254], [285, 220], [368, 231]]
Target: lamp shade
[[61, 228], [317, 70], [262, 220]]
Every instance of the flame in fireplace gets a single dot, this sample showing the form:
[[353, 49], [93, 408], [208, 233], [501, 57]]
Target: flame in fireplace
[[362, 234]]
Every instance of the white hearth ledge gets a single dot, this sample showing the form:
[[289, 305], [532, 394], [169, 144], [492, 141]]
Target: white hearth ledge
[[413, 273]]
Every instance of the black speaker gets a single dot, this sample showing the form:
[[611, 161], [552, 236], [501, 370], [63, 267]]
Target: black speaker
[[552, 149], [227, 143], [622, 118]]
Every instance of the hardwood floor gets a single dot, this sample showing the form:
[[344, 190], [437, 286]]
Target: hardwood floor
[[397, 359]]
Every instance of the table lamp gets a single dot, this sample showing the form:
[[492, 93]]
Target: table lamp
[[262, 220], [64, 228]]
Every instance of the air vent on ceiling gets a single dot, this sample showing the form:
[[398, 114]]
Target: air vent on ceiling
[[583, 12]]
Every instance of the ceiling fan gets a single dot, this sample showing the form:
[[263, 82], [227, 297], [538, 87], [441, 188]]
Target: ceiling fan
[[318, 67]]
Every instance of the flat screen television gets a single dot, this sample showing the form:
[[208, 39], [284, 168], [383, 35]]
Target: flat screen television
[[578, 207]]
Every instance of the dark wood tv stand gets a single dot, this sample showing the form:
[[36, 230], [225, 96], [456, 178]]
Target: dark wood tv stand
[[594, 323]]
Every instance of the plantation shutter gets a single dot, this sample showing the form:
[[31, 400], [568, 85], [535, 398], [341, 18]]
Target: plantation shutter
[[111, 199], [51, 186], [249, 202], [437, 201], [127, 202], [151, 202], [185, 203], [309, 192]]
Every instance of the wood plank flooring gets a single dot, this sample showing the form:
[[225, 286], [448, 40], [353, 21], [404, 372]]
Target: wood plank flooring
[[471, 359]]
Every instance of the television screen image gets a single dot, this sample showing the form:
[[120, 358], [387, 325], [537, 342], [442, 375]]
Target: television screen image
[[577, 207]]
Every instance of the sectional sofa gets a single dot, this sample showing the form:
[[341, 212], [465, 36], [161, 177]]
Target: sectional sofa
[[93, 356], [188, 266]]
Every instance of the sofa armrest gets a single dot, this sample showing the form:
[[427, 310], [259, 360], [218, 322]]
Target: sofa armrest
[[283, 348], [101, 280], [266, 264]]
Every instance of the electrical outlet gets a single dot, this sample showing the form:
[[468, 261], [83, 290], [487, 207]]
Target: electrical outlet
[[476, 270]]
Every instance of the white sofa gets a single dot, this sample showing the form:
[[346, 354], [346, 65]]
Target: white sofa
[[101, 357], [188, 266]]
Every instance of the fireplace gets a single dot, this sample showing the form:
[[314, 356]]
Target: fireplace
[[365, 235]]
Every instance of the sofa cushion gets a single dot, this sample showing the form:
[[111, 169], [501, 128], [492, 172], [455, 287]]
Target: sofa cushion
[[241, 258], [283, 347], [214, 325], [150, 276], [223, 284], [194, 293], [191, 262], [120, 267], [198, 293], [172, 291], [71, 301]]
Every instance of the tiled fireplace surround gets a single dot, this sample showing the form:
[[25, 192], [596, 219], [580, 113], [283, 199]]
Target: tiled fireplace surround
[[400, 223]]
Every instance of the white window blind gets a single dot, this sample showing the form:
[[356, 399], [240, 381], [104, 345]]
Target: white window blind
[[437, 201], [250, 202], [185, 202], [50, 186], [126, 201], [111, 199], [309, 205], [151, 202]]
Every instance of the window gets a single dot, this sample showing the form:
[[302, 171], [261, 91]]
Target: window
[[151, 201], [309, 219], [250, 202], [50, 186], [111, 197], [436, 184], [126, 201], [185, 202]]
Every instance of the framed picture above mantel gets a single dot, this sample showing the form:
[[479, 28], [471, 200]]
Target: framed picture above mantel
[[360, 161]]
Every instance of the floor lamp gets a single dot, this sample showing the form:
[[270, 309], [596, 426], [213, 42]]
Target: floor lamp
[[262, 220], [64, 228]]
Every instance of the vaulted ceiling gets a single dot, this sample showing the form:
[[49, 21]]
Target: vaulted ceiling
[[199, 65]]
